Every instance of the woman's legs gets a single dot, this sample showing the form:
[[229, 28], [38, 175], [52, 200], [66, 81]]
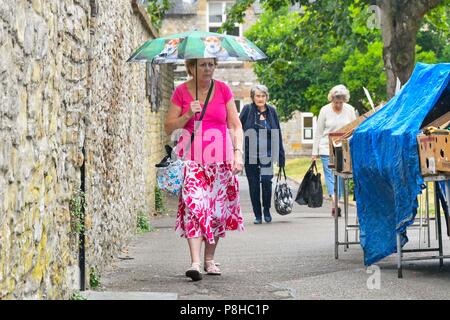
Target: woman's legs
[[266, 183], [328, 175], [195, 247], [329, 179], [210, 249], [254, 184]]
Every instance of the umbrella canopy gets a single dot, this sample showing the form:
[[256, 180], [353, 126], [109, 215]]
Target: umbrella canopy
[[197, 45]]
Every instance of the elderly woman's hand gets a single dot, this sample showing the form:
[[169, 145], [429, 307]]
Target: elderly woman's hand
[[238, 163]]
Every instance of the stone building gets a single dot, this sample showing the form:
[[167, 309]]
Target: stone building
[[73, 116], [208, 15]]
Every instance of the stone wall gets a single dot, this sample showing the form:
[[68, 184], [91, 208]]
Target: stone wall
[[124, 137], [64, 85]]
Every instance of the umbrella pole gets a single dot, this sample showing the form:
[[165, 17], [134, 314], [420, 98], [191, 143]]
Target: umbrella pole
[[196, 81]]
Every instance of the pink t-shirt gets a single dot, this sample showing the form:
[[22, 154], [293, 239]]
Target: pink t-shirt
[[212, 141]]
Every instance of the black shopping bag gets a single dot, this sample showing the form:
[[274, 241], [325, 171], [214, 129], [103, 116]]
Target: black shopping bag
[[302, 193], [315, 194], [310, 192]]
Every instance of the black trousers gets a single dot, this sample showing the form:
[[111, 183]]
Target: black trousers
[[260, 177]]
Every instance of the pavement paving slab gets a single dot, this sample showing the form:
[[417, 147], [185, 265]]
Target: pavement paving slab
[[291, 258]]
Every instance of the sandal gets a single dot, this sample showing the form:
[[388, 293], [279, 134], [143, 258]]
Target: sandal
[[211, 268], [194, 272]]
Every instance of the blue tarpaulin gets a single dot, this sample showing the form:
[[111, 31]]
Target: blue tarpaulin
[[385, 162]]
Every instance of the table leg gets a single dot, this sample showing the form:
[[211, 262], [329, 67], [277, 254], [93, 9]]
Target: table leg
[[345, 193], [427, 209], [447, 200], [438, 221], [336, 229], [399, 257]]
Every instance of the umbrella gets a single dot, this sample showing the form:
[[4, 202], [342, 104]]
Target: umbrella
[[197, 45]]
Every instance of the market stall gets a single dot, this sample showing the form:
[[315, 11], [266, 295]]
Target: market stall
[[386, 168]]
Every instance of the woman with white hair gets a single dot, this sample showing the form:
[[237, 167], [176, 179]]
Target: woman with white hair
[[263, 146], [332, 117]]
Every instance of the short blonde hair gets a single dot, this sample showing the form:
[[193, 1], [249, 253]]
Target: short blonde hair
[[191, 63], [340, 92]]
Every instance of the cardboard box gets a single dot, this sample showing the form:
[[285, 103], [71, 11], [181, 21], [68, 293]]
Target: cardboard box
[[443, 151], [434, 152], [346, 131], [427, 152], [346, 157], [434, 147], [332, 138]]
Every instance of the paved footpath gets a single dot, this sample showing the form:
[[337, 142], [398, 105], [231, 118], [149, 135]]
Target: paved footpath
[[290, 258]]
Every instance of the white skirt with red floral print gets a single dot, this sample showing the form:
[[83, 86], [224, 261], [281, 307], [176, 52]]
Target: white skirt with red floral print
[[209, 202]]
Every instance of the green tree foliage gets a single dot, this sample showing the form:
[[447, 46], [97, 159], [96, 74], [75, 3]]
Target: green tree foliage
[[435, 34], [302, 67], [156, 10]]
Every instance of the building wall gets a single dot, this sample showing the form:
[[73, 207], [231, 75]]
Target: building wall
[[64, 85], [292, 132]]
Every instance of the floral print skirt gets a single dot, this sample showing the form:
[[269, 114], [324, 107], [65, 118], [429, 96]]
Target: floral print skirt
[[209, 202]]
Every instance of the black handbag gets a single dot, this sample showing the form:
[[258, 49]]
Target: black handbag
[[310, 192], [283, 195]]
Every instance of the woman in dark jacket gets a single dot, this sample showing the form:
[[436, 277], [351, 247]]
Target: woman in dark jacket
[[263, 147]]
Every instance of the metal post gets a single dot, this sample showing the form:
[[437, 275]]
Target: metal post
[[356, 223], [435, 217], [447, 200], [438, 221], [345, 193], [336, 229], [399, 257], [420, 219], [427, 210]]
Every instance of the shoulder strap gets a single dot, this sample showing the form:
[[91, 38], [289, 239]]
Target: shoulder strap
[[204, 109], [201, 118]]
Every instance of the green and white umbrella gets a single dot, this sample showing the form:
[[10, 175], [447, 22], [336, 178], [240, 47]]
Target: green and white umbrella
[[197, 45]]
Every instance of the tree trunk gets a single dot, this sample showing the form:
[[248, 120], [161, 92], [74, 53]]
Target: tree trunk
[[400, 22]]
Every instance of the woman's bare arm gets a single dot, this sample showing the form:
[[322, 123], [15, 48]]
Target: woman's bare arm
[[174, 119], [237, 135]]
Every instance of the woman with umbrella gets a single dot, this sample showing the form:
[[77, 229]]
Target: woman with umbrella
[[209, 203]]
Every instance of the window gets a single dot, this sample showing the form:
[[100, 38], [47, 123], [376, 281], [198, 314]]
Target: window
[[238, 105], [217, 16], [308, 134], [307, 128]]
